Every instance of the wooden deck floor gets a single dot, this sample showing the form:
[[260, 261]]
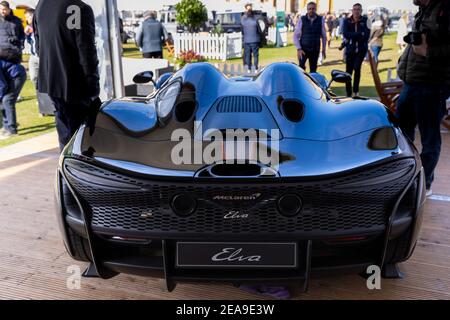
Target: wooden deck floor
[[33, 262]]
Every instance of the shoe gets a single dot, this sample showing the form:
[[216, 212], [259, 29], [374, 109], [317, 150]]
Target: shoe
[[429, 193], [280, 293], [6, 135]]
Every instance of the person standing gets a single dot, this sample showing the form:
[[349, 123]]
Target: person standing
[[424, 68], [33, 62], [68, 73], [402, 32], [336, 27], [151, 37], [342, 18], [310, 29], [376, 38], [356, 33], [252, 38], [291, 23], [330, 22], [13, 74]]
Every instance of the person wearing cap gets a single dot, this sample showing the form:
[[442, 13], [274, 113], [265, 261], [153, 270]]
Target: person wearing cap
[[68, 70], [151, 36], [13, 74]]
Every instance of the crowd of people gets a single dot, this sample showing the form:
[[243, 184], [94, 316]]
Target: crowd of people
[[313, 34], [423, 66], [358, 32]]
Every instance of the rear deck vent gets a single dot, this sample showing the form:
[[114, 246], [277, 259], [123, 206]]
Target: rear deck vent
[[239, 104]]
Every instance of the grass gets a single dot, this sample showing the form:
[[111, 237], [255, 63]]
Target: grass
[[32, 124]]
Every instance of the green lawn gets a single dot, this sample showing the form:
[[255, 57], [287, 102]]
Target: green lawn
[[32, 124]]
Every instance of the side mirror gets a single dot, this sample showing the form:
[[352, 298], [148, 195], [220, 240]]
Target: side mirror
[[340, 77], [143, 77]]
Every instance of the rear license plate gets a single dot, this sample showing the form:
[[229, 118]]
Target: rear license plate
[[236, 255]]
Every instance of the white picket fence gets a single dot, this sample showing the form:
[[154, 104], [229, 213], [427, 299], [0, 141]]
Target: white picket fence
[[220, 47], [210, 46], [272, 36]]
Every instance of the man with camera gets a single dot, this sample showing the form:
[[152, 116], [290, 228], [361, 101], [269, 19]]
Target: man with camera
[[425, 69]]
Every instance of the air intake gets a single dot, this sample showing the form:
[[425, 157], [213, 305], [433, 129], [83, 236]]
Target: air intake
[[240, 104]]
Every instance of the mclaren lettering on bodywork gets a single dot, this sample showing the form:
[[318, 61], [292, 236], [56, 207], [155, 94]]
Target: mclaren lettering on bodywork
[[255, 196]]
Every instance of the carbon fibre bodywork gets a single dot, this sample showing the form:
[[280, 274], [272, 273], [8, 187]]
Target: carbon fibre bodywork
[[347, 190]]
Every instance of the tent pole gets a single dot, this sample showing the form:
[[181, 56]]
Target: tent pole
[[115, 47]]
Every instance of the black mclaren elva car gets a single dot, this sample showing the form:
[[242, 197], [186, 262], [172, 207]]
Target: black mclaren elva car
[[242, 180]]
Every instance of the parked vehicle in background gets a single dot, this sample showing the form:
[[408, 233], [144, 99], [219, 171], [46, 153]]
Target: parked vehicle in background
[[394, 22], [378, 11], [131, 21], [168, 17], [230, 20]]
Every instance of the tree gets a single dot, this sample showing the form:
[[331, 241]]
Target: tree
[[191, 13]]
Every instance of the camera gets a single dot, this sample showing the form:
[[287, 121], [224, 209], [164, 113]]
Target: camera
[[343, 45], [414, 38]]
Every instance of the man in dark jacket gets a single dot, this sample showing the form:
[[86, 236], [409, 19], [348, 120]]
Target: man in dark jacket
[[151, 37], [68, 73], [356, 33], [425, 69], [13, 75], [310, 29]]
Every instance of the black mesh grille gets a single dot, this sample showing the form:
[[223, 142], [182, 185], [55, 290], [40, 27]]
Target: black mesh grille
[[327, 208], [240, 104]]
